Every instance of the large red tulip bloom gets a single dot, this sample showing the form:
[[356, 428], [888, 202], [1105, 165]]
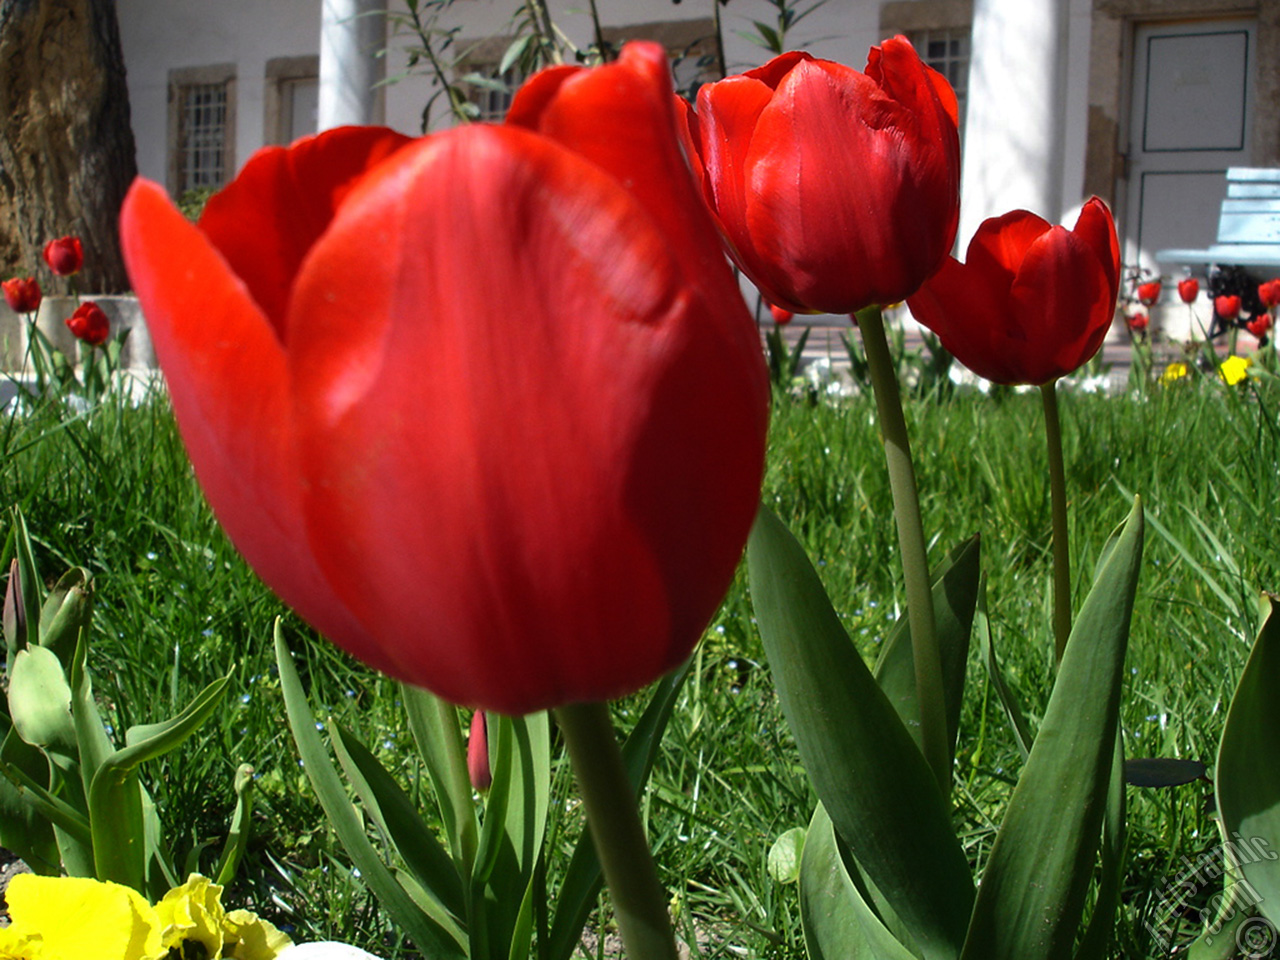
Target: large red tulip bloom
[[834, 189], [1032, 302], [487, 408]]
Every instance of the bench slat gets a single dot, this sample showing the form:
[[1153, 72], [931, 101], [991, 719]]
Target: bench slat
[[1252, 174], [1254, 227], [1262, 191]]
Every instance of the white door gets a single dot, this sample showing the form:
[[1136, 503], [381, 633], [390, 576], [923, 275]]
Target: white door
[[1190, 119]]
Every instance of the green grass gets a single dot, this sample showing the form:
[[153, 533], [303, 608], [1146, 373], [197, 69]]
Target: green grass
[[177, 608]]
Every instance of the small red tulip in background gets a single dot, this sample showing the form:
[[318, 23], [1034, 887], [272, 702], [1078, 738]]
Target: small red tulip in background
[[22, 294], [1188, 289], [1149, 293], [1032, 302], [780, 316], [89, 324], [1269, 293], [64, 256], [1260, 325], [834, 189], [1138, 321], [556, 512], [1227, 307]]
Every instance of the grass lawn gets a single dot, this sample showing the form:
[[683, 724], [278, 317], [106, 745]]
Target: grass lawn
[[177, 608]]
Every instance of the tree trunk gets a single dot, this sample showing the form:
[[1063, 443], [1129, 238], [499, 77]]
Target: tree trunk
[[66, 146]]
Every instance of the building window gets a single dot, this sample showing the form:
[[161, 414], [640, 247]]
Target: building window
[[492, 90], [201, 129], [947, 51], [291, 98]]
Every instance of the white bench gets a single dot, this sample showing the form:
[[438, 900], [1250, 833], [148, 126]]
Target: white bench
[[1248, 225]]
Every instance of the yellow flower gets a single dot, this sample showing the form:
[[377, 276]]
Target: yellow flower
[[1234, 369], [1174, 371], [74, 917]]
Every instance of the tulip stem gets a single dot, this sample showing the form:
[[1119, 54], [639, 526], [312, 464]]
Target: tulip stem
[[1058, 497], [926, 655], [639, 901]]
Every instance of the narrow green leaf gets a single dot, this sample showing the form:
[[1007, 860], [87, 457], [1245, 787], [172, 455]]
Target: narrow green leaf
[[1163, 772], [29, 577], [436, 731], [1097, 937], [955, 597], [393, 811], [427, 935], [92, 743], [151, 740], [1033, 890], [838, 923], [1004, 693], [582, 878], [1248, 772], [23, 827], [868, 772]]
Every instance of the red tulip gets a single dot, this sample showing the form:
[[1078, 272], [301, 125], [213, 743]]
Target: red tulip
[[1032, 301], [1149, 293], [64, 256], [780, 316], [478, 768], [1188, 289], [834, 189], [22, 294], [1269, 293], [1138, 321], [1227, 307], [1260, 325], [487, 408], [89, 324]]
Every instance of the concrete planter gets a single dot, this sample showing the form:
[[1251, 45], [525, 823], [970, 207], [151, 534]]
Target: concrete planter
[[123, 312]]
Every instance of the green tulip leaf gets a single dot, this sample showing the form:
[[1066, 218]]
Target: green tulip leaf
[[864, 764], [1248, 772], [29, 578], [435, 728], [399, 822], [92, 743], [430, 938], [1022, 734], [1097, 937], [40, 701], [838, 922], [784, 856], [582, 878], [23, 828], [1033, 890], [955, 597], [60, 814]]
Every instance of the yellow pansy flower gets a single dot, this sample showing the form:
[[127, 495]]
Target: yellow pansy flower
[[1234, 369], [75, 917], [1174, 371]]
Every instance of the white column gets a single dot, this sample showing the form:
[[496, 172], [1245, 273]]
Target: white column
[[1014, 128], [352, 33]]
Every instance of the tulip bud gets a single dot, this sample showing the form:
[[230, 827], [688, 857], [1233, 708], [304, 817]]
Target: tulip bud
[[22, 294], [780, 316], [15, 614], [1227, 307], [1188, 289], [64, 256], [478, 753], [1149, 293], [90, 324], [67, 610]]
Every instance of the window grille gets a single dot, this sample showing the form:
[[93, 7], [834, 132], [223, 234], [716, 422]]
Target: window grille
[[947, 51], [203, 136]]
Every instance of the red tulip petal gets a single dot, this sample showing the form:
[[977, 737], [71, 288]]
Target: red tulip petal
[[1096, 228], [622, 117], [999, 244], [550, 508], [229, 387], [1061, 298], [266, 220]]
